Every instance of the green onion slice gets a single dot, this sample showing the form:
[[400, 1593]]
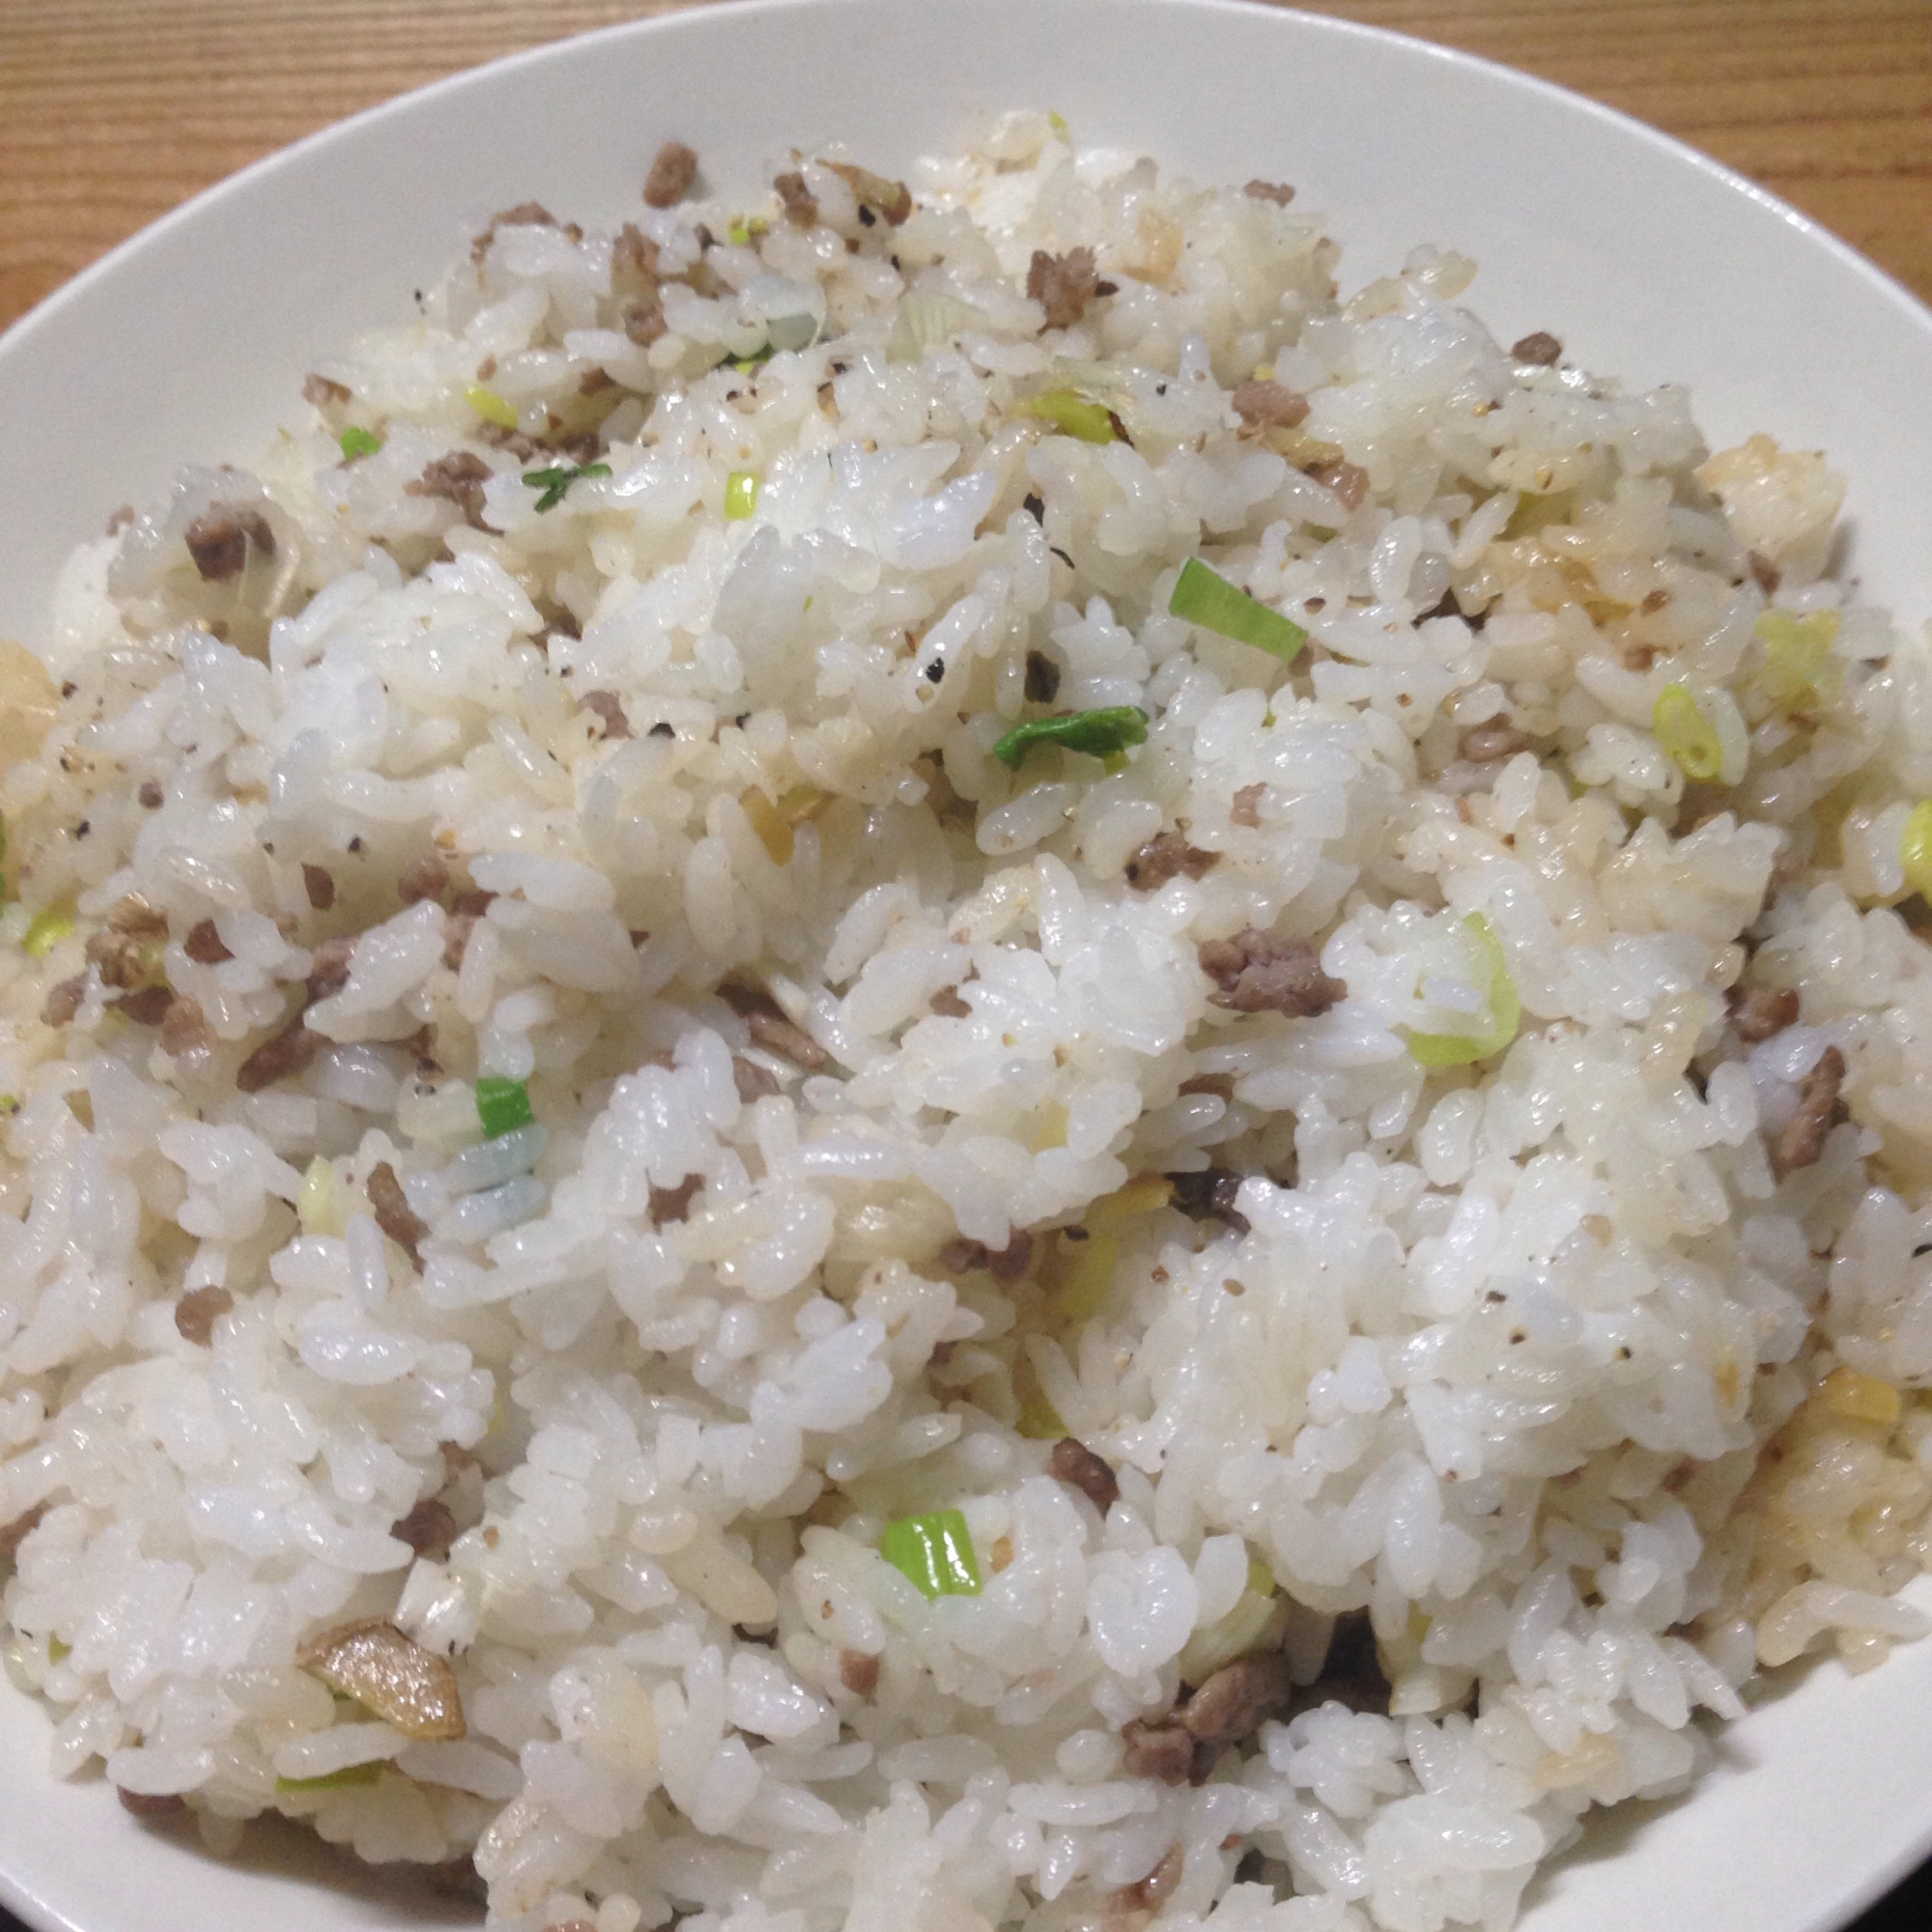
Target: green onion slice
[[1207, 598], [502, 1105], [1456, 1049], [741, 496], [1914, 849], [345, 1779], [1690, 740], [489, 406], [1072, 415], [1104, 733], [49, 930], [356, 441], [933, 1552], [1799, 673]]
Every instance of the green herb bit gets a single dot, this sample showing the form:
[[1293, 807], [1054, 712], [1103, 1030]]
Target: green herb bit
[[345, 1779], [746, 365], [502, 1105], [738, 235], [1207, 598], [1689, 738], [1105, 733], [489, 406], [933, 1552], [49, 930], [1456, 1049], [1072, 415], [556, 481], [741, 496], [57, 1651], [356, 441]]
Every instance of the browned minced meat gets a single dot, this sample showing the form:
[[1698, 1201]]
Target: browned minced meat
[[609, 707], [1042, 678], [1075, 1465], [1156, 1747], [1164, 857], [14, 1534], [150, 1803], [1245, 807], [456, 478], [947, 1004], [219, 540], [324, 392], [801, 205], [1269, 405], [428, 1529], [144, 1005], [328, 968], [960, 1256], [116, 947], [1132, 1905], [198, 1311], [64, 1001], [203, 944], [424, 878], [456, 932], [753, 1081], [1236, 1700], [1765, 573], [644, 321], [1208, 1195], [291, 1050], [671, 175], [1262, 972], [673, 1204], [858, 1672], [1349, 481], [320, 886], [151, 795], [393, 1213], [771, 1030], [185, 1027], [1541, 347], [132, 915], [120, 520], [1278, 192], [891, 200], [1496, 738], [1063, 284], [525, 215], [1803, 1138], [1757, 1012]]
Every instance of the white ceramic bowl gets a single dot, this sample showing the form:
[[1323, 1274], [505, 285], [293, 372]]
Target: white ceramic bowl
[[1647, 260]]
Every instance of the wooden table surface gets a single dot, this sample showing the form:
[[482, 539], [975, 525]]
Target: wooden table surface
[[113, 111]]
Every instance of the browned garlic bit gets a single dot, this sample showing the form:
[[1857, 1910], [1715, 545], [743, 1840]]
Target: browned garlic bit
[[391, 1675]]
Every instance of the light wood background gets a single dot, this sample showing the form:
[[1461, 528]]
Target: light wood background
[[113, 111]]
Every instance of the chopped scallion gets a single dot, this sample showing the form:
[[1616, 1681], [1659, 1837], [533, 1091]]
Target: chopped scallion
[[1104, 733], [741, 496], [1914, 849], [356, 441], [738, 235], [934, 1552], [57, 1651], [345, 1779], [1205, 597], [556, 481], [502, 1105], [489, 406], [49, 930], [1456, 1049], [1072, 415], [1689, 739]]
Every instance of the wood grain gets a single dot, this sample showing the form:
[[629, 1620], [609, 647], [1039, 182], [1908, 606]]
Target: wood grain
[[113, 111]]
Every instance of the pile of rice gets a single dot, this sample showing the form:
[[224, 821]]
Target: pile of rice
[[1362, 1466]]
